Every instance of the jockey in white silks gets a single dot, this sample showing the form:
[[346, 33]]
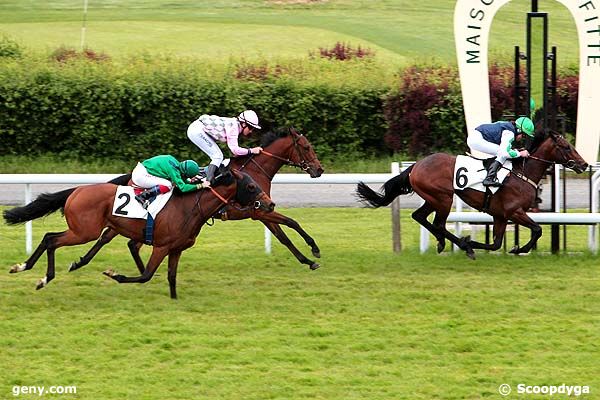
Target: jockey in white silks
[[208, 129]]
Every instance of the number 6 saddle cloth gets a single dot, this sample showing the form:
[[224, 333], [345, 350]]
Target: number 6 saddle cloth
[[470, 172], [127, 206]]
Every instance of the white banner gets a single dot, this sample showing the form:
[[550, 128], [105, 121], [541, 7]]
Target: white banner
[[587, 19], [472, 22]]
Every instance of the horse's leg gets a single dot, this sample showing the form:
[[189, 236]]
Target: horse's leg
[[439, 221], [66, 238], [173, 263], [158, 254], [108, 235], [283, 239], [439, 230], [280, 219], [520, 217], [499, 230], [27, 265], [134, 249]]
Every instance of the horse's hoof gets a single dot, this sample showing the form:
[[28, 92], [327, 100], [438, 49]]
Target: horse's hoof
[[17, 268], [441, 246], [515, 250], [315, 266], [110, 272], [316, 253], [41, 283], [73, 267], [471, 254]]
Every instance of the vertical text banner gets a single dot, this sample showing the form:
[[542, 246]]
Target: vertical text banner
[[586, 14], [472, 22]]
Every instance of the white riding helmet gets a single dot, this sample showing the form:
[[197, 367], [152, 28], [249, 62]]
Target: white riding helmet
[[250, 118]]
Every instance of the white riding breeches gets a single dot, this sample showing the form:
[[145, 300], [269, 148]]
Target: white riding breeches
[[143, 179], [475, 141], [205, 142]]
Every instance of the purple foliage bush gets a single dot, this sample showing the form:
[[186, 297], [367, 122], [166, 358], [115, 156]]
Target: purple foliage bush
[[424, 114], [343, 52]]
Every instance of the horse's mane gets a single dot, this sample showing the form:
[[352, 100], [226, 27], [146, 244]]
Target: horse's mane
[[273, 135], [537, 140]]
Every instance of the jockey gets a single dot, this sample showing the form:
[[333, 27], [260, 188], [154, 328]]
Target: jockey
[[207, 129], [497, 138], [160, 173]]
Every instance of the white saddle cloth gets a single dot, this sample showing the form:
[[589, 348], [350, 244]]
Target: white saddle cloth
[[469, 173], [127, 206]]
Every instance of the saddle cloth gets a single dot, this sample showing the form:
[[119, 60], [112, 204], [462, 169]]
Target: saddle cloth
[[127, 206], [469, 173]]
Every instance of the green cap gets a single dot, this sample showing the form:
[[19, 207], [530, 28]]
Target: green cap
[[525, 125], [189, 168]]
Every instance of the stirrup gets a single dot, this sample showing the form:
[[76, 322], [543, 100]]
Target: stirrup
[[494, 183]]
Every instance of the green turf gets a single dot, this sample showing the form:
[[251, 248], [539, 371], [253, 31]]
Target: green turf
[[367, 324], [399, 31]]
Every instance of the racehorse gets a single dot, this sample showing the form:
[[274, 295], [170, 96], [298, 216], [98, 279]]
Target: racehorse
[[88, 210], [281, 147], [432, 179]]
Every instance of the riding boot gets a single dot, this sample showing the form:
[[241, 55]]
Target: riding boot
[[210, 173], [491, 179], [146, 197]]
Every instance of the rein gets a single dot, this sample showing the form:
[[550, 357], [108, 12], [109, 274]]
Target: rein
[[569, 164], [232, 204], [217, 195], [303, 165]]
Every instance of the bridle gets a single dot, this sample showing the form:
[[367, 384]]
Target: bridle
[[565, 156], [304, 164], [229, 202]]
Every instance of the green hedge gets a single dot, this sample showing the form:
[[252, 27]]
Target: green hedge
[[95, 111], [130, 112]]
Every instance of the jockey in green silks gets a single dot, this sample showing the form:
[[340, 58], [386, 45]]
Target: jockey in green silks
[[160, 173], [497, 139]]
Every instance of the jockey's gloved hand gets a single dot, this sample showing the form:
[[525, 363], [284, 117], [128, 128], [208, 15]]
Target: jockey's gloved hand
[[523, 153], [195, 179], [203, 184]]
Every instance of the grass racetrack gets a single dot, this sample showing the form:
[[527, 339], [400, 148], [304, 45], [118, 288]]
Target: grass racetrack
[[399, 31], [367, 324]]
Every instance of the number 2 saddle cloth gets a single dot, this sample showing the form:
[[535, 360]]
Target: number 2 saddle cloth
[[127, 206]]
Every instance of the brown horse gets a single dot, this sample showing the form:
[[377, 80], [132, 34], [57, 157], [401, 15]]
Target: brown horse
[[88, 210], [432, 179], [281, 147]]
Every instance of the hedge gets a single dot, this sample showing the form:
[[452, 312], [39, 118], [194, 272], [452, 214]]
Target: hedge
[[125, 113]]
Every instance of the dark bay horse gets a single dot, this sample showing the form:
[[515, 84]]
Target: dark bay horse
[[432, 179], [88, 210], [280, 147]]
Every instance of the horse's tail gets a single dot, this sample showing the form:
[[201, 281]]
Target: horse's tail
[[44, 204], [391, 189], [122, 180]]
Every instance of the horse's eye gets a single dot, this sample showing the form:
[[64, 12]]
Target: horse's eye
[[251, 187]]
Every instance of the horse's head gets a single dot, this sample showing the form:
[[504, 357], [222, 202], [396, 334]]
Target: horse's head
[[554, 147], [295, 149], [249, 193]]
